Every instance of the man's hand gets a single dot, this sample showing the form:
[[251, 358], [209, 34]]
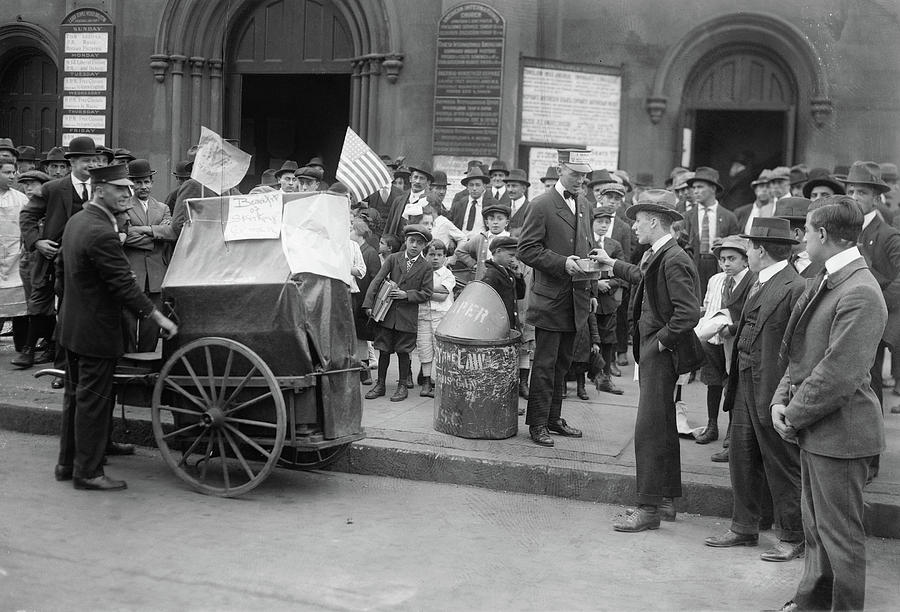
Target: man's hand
[[167, 327], [782, 425], [572, 266], [595, 349], [603, 286], [398, 294], [368, 312], [593, 304], [724, 331], [601, 257], [47, 248]]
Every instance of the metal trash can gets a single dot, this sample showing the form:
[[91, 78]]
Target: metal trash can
[[477, 384]]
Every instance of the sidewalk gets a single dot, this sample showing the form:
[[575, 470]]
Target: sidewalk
[[599, 467]]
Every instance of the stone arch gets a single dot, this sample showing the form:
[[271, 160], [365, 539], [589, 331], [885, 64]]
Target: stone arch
[[24, 34]]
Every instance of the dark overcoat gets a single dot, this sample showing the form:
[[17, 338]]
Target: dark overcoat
[[418, 284], [879, 243]]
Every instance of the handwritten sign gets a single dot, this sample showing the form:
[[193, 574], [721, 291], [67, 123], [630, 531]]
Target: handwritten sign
[[315, 235], [218, 165], [254, 217]]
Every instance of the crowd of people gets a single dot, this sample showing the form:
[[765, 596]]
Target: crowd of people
[[784, 307]]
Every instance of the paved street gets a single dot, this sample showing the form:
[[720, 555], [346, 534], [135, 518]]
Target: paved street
[[305, 541]]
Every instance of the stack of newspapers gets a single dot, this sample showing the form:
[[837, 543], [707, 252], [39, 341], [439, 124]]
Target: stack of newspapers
[[383, 300]]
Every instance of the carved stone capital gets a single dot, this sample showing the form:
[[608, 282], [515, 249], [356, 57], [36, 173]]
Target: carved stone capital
[[392, 65], [820, 108], [656, 108], [159, 64], [215, 68], [197, 64], [178, 64]]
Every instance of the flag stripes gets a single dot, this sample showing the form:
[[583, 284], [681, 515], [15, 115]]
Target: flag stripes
[[360, 169]]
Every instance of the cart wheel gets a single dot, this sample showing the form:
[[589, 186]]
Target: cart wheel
[[312, 460], [233, 436]]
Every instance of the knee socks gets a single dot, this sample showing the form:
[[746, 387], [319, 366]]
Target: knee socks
[[384, 360], [405, 365], [713, 399]]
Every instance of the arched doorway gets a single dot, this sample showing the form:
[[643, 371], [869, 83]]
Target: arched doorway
[[28, 100], [288, 89]]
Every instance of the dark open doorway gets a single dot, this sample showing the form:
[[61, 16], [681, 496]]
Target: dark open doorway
[[296, 117]]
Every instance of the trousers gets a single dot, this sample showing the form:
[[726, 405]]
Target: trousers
[[553, 353]]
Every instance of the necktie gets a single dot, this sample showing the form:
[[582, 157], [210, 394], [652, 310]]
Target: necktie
[[497, 194], [470, 221], [84, 192], [645, 260], [793, 261], [704, 231], [409, 264], [806, 300], [568, 194], [726, 291], [754, 290]]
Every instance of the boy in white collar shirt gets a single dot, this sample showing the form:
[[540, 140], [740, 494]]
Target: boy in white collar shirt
[[432, 312]]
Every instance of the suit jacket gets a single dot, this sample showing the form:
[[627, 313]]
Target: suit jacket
[[518, 219], [743, 213], [624, 235], [773, 305], [191, 189], [608, 303], [509, 286], [737, 189], [504, 198], [735, 305], [879, 243], [550, 235], [380, 204], [726, 225], [97, 283], [418, 284], [53, 206], [149, 255], [826, 386], [458, 208], [393, 222], [671, 285]]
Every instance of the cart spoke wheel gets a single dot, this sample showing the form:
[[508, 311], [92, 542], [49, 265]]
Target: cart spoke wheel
[[229, 445]]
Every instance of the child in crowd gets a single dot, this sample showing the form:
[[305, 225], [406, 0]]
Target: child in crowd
[[476, 251], [502, 273], [444, 230], [388, 245], [397, 332], [609, 297], [432, 311]]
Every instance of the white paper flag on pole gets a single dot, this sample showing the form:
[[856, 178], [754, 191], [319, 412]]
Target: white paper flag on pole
[[315, 235], [219, 165], [360, 169]]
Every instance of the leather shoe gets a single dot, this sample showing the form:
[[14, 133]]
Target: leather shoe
[[401, 393], [409, 382], [643, 518], [378, 390], [99, 483], [622, 360], [710, 434], [561, 428], [25, 359], [540, 435], [46, 356], [614, 369], [720, 457], [62, 472], [427, 389], [523, 389], [365, 377], [57, 383], [730, 538], [784, 551], [666, 510], [606, 385], [115, 448], [582, 392]]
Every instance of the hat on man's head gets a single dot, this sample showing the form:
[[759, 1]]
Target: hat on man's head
[[866, 173], [106, 152], [771, 229], [780, 173], [604, 211], [577, 160], [440, 179], [6, 144], [618, 188], [655, 201], [267, 178], [499, 166], [124, 154], [707, 175], [424, 167], [310, 172], [474, 162], [81, 146], [552, 174], [675, 172], [402, 171], [516, 175], [624, 177], [183, 169], [799, 173], [316, 161], [27, 153], [764, 178], [475, 172], [417, 229], [112, 175], [599, 177], [139, 168], [889, 172], [504, 242], [56, 154], [34, 175], [729, 242], [680, 181], [289, 166], [819, 177], [792, 208], [496, 208]]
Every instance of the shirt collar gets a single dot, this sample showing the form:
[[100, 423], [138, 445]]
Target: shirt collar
[[519, 202], [659, 243], [739, 276], [76, 182], [560, 190], [839, 260], [711, 207], [766, 273], [869, 217]]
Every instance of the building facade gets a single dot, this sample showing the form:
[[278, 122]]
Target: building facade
[[650, 84]]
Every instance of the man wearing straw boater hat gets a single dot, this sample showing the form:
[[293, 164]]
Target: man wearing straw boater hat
[[666, 310], [757, 454], [557, 233]]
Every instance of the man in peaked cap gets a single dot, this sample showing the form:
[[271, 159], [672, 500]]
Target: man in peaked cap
[[707, 221], [756, 448], [309, 178], [55, 164], [762, 206], [285, 178], [557, 232], [97, 283], [666, 310]]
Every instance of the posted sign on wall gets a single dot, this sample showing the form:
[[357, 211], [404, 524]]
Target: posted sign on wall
[[87, 73]]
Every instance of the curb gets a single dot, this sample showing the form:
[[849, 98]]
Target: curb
[[602, 483]]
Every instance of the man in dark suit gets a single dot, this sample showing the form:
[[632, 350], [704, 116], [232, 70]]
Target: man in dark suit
[[762, 206], [517, 191], [707, 221], [794, 209], [460, 196], [465, 213], [557, 232], [42, 222], [826, 405], [408, 206], [96, 283], [756, 448], [498, 173], [666, 310]]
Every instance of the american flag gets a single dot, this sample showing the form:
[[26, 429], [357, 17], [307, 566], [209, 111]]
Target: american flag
[[360, 169]]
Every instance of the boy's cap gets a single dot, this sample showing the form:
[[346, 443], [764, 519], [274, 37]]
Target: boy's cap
[[495, 208], [504, 242], [34, 175], [604, 211], [417, 229], [729, 242], [310, 172]]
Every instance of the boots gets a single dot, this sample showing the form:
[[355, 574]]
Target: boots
[[605, 383], [378, 390], [402, 391], [523, 383], [365, 377], [710, 434], [579, 387], [427, 389], [25, 359]]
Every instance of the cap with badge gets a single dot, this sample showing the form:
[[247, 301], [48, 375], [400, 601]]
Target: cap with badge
[[111, 175], [655, 201], [771, 229], [730, 242], [504, 242], [417, 229], [577, 160]]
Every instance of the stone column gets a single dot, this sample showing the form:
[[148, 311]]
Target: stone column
[[197, 64], [176, 150], [215, 95]]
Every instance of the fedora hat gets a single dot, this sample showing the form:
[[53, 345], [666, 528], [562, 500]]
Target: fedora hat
[[604, 211], [729, 242], [440, 179], [552, 174], [792, 208], [624, 178], [866, 173], [34, 175], [106, 152], [674, 173], [799, 174], [113, 175], [6, 144], [576, 159], [27, 153], [516, 175], [496, 208], [499, 166], [183, 169], [680, 181], [316, 161], [771, 229], [289, 166], [140, 168], [655, 201], [475, 172], [267, 178], [889, 172], [781, 173], [707, 175], [424, 167], [598, 177], [818, 177], [764, 178], [124, 154], [56, 154], [401, 171], [81, 146]]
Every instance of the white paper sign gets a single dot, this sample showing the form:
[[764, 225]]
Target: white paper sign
[[87, 42], [218, 165], [84, 102], [84, 64], [315, 235], [84, 122], [254, 217], [99, 139], [84, 83]]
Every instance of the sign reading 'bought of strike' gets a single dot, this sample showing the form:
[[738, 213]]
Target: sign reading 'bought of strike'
[[468, 81]]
